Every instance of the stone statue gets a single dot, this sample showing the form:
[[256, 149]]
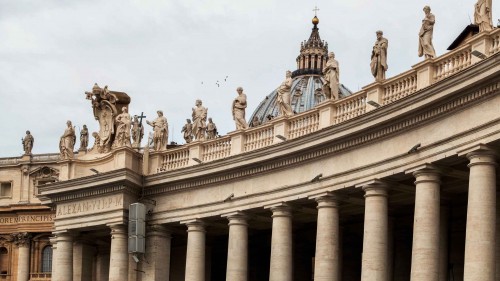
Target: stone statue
[[123, 124], [84, 138], [188, 131], [160, 128], [238, 109], [97, 148], [331, 76], [137, 132], [255, 122], [67, 142], [379, 57], [28, 142], [425, 47], [483, 16], [211, 129], [107, 105], [199, 118], [283, 99]]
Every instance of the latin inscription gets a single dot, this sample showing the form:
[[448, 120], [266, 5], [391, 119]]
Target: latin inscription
[[27, 219], [90, 206]]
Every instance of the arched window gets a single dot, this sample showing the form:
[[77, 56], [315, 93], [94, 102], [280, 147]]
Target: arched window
[[47, 259], [4, 261]]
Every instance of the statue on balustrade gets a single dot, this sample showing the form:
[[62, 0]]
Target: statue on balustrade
[[255, 122], [425, 47], [28, 142], [67, 142], [483, 15], [379, 57], [107, 106], [84, 138], [123, 125], [211, 129], [238, 109], [137, 132], [199, 117], [331, 76], [283, 99], [97, 148], [160, 128], [188, 131]]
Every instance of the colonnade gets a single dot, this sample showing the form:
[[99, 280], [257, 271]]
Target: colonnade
[[428, 247]]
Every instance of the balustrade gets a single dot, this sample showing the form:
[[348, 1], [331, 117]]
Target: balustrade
[[258, 137], [216, 149], [303, 124], [390, 90], [174, 159]]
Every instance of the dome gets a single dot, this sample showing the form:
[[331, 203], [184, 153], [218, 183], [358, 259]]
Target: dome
[[307, 85], [306, 93]]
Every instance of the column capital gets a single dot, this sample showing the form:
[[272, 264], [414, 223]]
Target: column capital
[[480, 151], [374, 187], [195, 225], [426, 173], [236, 218], [118, 230], [21, 239], [280, 210], [326, 200]]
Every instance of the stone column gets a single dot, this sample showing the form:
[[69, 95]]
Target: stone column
[[327, 258], [64, 257], [158, 241], [375, 245], [195, 255], [443, 243], [118, 261], [281, 268], [83, 253], [479, 262], [425, 251], [102, 263], [53, 242], [237, 249], [23, 240]]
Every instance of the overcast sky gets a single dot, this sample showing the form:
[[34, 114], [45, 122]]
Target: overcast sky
[[160, 52]]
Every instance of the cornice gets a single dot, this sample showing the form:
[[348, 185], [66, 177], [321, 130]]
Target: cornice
[[445, 97], [100, 184]]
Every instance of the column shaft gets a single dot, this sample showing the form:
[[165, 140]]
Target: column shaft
[[237, 250], [53, 242], [64, 258], [326, 265], [102, 263], [425, 251], [281, 244], [195, 255], [158, 241], [479, 264], [443, 244], [118, 262], [23, 262], [374, 260]]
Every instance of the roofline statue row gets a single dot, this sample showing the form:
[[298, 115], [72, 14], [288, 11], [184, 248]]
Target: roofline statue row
[[117, 127]]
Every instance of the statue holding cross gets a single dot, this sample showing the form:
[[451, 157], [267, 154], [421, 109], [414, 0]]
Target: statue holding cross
[[137, 130]]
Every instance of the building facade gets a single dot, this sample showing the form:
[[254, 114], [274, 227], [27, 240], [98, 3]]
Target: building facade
[[397, 181]]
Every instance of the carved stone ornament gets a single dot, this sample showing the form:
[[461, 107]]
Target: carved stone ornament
[[5, 240], [21, 239], [107, 105]]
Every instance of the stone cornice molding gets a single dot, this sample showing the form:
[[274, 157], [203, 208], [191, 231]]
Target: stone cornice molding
[[123, 180]]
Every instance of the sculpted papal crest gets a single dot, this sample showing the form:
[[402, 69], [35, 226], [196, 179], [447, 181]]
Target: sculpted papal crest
[[107, 105]]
